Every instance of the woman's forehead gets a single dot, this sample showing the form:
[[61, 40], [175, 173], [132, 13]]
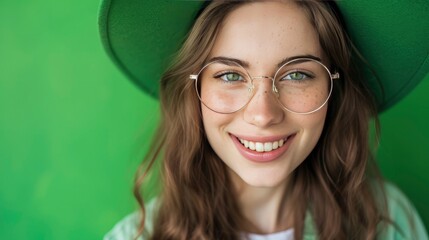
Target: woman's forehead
[[266, 33]]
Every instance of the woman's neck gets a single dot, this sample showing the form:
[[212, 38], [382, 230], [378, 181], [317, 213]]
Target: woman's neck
[[265, 208]]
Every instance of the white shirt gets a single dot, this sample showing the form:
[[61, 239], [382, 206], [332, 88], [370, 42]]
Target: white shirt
[[283, 235]]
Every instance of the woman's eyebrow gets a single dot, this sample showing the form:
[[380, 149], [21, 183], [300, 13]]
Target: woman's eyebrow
[[288, 59], [225, 60], [246, 64]]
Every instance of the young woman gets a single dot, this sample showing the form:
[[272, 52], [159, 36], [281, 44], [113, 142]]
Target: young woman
[[265, 133]]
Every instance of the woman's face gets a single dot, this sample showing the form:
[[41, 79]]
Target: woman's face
[[263, 34]]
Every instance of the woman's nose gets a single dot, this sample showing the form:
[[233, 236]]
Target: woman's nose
[[263, 109]]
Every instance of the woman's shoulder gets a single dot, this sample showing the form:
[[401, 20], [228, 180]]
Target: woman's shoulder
[[127, 228], [406, 223]]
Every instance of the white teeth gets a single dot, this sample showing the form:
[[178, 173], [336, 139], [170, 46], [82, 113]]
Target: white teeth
[[268, 146], [252, 146], [275, 145], [262, 147], [259, 147]]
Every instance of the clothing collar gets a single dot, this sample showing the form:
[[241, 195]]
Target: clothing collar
[[309, 227]]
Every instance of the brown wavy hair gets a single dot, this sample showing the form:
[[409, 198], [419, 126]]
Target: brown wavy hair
[[337, 183]]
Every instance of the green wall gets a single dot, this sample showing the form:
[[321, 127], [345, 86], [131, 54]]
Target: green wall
[[403, 154], [73, 129]]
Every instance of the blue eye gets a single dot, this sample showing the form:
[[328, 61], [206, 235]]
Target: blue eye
[[230, 77]]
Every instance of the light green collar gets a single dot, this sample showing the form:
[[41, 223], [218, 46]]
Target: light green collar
[[309, 228]]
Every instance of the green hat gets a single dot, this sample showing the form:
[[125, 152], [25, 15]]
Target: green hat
[[141, 36]]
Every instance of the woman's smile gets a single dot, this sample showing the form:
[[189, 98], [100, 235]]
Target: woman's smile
[[262, 149]]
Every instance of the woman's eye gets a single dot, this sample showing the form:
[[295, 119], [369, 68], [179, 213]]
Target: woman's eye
[[231, 77], [296, 76]]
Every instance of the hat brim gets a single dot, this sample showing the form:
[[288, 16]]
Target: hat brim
[[393, 36]]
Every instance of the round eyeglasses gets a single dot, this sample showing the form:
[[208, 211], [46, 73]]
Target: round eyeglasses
[[302, 85]]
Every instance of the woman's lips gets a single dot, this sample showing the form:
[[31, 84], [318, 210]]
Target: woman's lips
[[264, 149]]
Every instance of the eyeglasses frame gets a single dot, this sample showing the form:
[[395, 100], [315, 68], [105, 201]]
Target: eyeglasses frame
[[332, 76]]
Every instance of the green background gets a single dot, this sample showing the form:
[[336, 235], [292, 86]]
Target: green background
[[73, 129]]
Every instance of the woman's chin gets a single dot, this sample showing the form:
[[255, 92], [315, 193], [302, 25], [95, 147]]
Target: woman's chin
[[262, 180]]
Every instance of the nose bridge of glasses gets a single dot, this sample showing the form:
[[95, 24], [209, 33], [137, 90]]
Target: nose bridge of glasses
[[273, 87]]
